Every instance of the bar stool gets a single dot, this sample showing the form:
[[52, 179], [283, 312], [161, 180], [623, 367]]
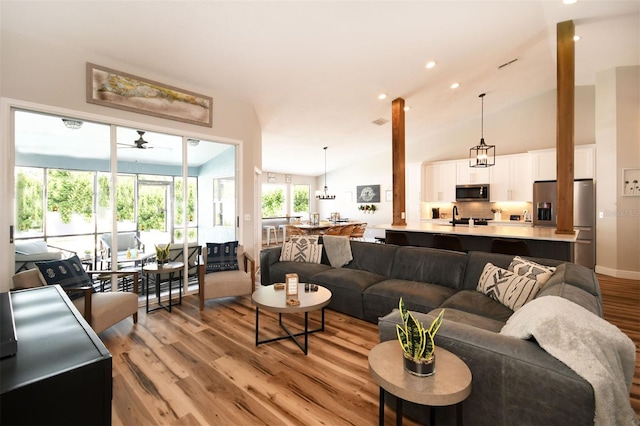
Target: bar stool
[[447, 242], [284, 232], [505, 246], [270, 228]]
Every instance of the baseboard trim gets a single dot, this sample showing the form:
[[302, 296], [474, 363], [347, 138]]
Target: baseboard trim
[[630, 275]]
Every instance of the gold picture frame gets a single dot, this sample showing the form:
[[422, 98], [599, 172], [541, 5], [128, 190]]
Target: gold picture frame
[[117, 89], [291, 286]]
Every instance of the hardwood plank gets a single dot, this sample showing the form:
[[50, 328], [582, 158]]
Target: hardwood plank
[[195, 367]]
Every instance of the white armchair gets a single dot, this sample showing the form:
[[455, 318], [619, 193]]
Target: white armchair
[[215, 285]]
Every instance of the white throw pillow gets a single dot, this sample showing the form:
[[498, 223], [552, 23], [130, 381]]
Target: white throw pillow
[[301, 251], [506, 287], [531, 270]]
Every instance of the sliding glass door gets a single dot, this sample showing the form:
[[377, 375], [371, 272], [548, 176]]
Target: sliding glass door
[[77, 181]]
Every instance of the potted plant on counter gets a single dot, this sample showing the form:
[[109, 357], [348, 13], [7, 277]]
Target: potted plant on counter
[[417, 343]]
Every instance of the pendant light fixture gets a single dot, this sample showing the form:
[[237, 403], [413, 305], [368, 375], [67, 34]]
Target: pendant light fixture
[[482, 155], [324, 195]]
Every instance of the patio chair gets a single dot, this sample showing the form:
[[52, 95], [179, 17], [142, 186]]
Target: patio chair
[[126, 241], [29, 252]]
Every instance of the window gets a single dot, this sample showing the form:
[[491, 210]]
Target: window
[[301, 200], [273, 200]]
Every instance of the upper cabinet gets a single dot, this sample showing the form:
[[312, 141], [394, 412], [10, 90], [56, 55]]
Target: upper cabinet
[[439, 182], [511, 178], [467, 175], [543, 163]]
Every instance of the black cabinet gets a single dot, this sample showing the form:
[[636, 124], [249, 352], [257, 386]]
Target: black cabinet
[[61, 373]]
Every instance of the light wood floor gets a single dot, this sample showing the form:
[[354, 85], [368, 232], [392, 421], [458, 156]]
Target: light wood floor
[[193, 368]]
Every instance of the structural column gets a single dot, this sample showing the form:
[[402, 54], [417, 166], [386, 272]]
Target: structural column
[[565, 126], [398, 148]]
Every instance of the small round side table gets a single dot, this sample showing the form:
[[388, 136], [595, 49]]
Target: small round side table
[[168, 268], [450, 385]]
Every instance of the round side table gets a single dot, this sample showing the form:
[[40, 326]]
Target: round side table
[[168, 268], [450, 385]]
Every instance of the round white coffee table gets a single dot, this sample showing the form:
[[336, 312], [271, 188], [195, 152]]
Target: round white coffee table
[[272, 300], [450, 385]]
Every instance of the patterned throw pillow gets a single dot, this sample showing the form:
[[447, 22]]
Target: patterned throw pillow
[[305, 239], [510, 289], [302, 249], [67, 273], [222, 257], [531, 270]]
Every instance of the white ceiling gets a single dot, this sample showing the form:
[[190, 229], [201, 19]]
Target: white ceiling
[[313, 69]]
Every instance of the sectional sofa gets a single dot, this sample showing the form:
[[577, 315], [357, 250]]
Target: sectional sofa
[[514, 381]]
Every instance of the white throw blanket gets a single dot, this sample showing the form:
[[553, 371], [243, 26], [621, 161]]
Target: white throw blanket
[[338, 250], [592, 347]]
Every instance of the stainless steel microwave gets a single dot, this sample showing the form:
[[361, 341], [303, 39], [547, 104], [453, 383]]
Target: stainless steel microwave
[[477, 192]]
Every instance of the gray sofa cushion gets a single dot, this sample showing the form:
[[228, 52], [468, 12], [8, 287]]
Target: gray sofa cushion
[[371, 257], [474, 302], [347, 286], [383, 297], [574, 294], [428, 265], [477, 260], [304, 270]]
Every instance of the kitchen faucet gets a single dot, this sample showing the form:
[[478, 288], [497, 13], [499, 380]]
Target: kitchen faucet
[[454, 213]]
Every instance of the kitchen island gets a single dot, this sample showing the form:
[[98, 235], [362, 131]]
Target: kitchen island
[[542, 242]]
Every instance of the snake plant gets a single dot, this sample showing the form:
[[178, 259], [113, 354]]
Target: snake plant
[[162, 253], [415, 339]]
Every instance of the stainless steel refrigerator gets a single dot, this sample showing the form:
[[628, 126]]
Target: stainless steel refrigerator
[[584, 215]]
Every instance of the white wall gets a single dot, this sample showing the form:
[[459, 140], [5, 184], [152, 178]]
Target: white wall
[[617, 148], [53, 76]]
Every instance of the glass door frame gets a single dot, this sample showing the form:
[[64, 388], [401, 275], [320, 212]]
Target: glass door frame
[[7, 119]]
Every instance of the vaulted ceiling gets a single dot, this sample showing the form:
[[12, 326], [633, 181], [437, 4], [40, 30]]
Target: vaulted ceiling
[[313, 70]]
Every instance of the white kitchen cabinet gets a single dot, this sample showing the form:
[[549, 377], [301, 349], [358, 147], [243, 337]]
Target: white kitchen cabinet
[[439, 182], [467, 175], [584, 159], [511, 178], [543, 163]]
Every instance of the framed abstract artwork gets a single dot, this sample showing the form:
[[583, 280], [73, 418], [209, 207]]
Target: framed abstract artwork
[[117, 89], [368, 194]]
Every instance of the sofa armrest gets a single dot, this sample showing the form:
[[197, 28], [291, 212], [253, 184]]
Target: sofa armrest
[[268, 257], [514, 381]]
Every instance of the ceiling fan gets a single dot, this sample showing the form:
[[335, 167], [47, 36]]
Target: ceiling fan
[[139, 143]]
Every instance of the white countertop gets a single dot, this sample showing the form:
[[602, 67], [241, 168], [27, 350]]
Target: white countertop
[[495, 231]]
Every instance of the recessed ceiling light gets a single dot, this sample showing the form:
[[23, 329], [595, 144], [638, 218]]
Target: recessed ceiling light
[[455, 85], [407, 108], [382, 96], [576, 38], [569, 1], [430, 64]]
